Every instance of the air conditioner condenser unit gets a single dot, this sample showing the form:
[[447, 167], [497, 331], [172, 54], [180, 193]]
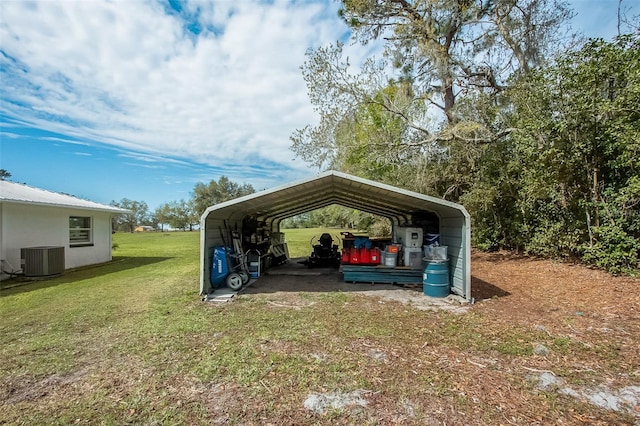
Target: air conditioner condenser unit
[[42, 261]]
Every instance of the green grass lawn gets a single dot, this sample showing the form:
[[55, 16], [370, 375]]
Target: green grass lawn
[[299, 240], [140, 314], [130, 342]]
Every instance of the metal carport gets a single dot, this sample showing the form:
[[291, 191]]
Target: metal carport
[[271, 206]]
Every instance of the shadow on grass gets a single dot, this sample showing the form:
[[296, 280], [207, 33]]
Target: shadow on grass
[[481, 290], [118, 264]]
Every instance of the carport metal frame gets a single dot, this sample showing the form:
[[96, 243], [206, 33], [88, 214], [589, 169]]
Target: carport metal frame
[[271, 206]]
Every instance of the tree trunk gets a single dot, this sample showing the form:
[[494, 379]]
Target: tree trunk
[[594, 194]]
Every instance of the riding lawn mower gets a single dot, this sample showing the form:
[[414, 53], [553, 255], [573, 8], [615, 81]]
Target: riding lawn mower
[[325, 253]]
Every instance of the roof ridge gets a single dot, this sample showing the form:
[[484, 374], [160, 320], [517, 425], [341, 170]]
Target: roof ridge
[[49, 191], [22, 193]]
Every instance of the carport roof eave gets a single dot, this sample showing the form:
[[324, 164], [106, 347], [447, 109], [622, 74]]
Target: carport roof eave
[[247, 198], [264, 201], [331, 201], [407, 193]]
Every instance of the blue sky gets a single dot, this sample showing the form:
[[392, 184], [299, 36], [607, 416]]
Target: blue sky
[[142, 100]]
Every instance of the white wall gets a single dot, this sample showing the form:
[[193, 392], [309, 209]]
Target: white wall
[[27, 225]]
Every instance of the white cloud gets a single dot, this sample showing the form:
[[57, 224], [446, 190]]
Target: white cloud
[[10, 135], [130, 74], [63, 140]]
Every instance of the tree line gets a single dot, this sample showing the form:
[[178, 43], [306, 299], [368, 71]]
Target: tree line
[[336, 216], [183, 214], [494, 105]]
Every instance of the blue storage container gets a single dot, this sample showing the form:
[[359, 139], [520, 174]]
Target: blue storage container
[[362, 242], [219, 267], [435, 281]]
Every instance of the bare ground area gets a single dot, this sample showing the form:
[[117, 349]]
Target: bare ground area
[[544, 343], [589, 310], [589, 355]]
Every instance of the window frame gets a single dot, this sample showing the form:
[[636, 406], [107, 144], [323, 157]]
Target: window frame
[[81, 241]]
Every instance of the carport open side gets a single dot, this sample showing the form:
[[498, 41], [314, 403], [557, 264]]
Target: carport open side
[[256, 218]]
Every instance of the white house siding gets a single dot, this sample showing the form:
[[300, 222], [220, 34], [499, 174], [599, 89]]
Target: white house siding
[[30, 225]]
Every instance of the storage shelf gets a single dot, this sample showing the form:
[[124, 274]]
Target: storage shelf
[[381, 274]]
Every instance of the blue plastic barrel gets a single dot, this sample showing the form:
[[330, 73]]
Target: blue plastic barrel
[[435, 282]]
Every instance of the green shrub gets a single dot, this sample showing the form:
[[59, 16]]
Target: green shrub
[[614, 250]]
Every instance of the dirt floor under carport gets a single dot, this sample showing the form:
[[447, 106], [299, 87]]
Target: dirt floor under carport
[[285, 281], [513, 288]]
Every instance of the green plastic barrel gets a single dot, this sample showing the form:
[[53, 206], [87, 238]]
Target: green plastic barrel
[[435, 282]]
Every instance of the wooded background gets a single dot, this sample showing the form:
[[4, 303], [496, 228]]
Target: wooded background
[[497, 106]]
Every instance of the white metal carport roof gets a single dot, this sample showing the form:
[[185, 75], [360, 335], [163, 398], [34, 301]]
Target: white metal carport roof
[[273, 205]]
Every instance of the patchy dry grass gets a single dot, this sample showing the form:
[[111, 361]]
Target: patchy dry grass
[[130, 342]]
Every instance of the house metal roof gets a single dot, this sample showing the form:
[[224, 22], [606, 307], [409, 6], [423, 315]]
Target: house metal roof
[[11, 192]]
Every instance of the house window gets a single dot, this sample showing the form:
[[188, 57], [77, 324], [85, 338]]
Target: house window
[[80, 231]]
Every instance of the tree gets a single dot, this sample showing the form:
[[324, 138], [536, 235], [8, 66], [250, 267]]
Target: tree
[[139, 214], [193, 215], [162, 215], [4, 174], [442, 52], [570, 174], [179, 215], [206, 195], [368, 141], [336, 216]]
